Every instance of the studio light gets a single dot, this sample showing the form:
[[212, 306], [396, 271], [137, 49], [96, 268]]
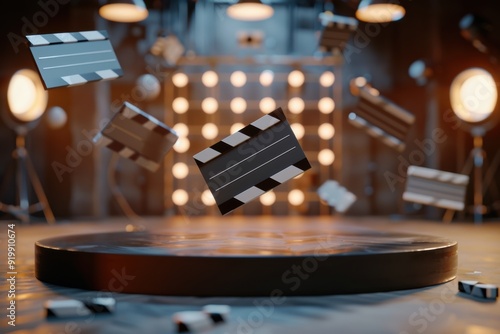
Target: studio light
[[296, 197], [268, 198], [210, 79], [296, 105], [124, 11], [238, 105], [380, 11], [180, 170], [473, 97], [327, 79], [479, 32], [238, 79], [326, 105], [181, 129], [266, 78], [180, 79], [180, 197], [420, 71], [207, 198], [210, 131], [27, 100], [250, 10], [298, 130], [326, 131], [296, 78], [209, 105], [180, 105], [267, 104]]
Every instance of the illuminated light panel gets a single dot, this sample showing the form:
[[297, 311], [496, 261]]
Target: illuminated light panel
[[266, 78], [209, 131], [296, 78], [207, 198], [326, 157], [267, 104], [180, 197], [236, 127], [296, 197], [326, 131], [180, 80], [180, 170], [327, 79], [181, 129], [180, 105], [182, 145], [238, 105], [238, 79], [296, 105], [268, 198], [210, 79], [326, 105], [298, 130]]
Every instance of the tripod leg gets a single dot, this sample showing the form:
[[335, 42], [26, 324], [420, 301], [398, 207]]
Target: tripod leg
[[22, 186], [449, 213], [37, 186]]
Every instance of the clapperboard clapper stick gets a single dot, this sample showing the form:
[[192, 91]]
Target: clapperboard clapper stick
[[382, 119], [75, 58], [436, 188], [252, 161], [138, 136]]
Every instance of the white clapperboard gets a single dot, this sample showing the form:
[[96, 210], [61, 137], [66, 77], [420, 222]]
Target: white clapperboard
[[252, 161], [336, 32], [75, 58], [382, 119], [437, 188], [137, 136], [336, 196]]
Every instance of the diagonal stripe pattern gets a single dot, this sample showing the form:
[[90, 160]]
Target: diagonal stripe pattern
[[137, 136], [252, 161], [382, 119], [74, 58], [336, 32], [437, 188]]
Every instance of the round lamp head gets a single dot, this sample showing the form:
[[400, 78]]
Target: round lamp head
[[379, 11], [124, 11], [473, 95], [250, 10], [26, 97]]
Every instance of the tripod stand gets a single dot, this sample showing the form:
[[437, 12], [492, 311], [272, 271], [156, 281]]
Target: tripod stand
[[475, 164], [25, 173]]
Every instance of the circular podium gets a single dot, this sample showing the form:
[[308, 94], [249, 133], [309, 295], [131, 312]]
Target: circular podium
[[230, 262]]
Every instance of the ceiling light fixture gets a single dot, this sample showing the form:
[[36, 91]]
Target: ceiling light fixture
[[124, 11], [250, 10], [380, 11]]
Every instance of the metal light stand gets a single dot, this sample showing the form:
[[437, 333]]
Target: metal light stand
[[25, 173], [475, 164]]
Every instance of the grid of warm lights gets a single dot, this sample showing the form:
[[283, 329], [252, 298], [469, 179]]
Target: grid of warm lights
[[208, 106]]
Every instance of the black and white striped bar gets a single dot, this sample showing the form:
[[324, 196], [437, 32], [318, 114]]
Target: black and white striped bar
[[336, 196], [478, 289], [66, 308], [192, 321], [74, 58], [436, 188], [336, 32], [218, 313], [137, 136], [381, 118], [252, 161]]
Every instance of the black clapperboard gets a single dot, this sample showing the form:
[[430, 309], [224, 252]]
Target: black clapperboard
[[436, 188], [252, 161], [75, 58], [137, 136], [336, 32], [382, 119]]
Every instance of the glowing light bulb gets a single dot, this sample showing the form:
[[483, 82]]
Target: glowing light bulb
[[296, 197], [296, 105], [238, 79], [210, 79]]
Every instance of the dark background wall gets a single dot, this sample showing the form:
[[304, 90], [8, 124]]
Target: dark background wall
[[429, 31]]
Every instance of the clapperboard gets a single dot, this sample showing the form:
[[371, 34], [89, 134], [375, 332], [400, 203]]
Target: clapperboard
[[137, 136], [252, 161], [75, 58], [336, 32], [382, 119], [437, 188], [336, 196]]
